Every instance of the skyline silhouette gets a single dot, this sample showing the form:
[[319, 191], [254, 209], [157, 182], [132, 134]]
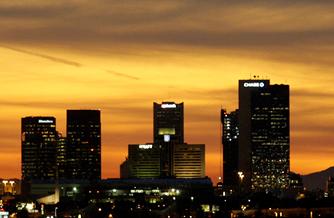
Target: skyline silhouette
[[122, 58]]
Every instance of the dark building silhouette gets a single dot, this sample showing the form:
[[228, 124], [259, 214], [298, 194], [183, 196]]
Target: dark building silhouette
[[168, 130], [296, 186], [168, 122], [83, 144], [264, 141], [168, 156], [124, 169], [230, 140], [330, 187], [39, 148]]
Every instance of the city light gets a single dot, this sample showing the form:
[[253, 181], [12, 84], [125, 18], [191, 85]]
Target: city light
[[168, 106], [241, 176], [45, 121], [145, 146], [207, 109]]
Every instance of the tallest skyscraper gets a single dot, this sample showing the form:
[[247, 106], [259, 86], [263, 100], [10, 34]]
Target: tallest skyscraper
[[264, 140]]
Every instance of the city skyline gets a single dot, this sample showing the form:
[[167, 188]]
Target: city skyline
[[164, 52], [40, 116]]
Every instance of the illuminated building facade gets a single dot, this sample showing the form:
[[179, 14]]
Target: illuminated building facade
[[264, 141], [61, 156], [83, 144], [10, 187], [188, 161], [38, 148], [144, 160], [230, 141]]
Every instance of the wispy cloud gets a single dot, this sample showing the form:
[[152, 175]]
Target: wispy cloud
[[48, 57], [122, 75]]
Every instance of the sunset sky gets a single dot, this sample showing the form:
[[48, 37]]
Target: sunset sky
[[121, 56]]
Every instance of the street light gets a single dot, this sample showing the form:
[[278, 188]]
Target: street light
[[241, 176]]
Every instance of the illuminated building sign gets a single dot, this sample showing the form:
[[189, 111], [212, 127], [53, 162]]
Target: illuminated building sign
[[254, 84], [166, 138], [168, 106], [166, 131], [4, 214], [45, 121], [145, 146]]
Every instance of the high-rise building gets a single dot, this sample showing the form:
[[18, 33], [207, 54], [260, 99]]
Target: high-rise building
[[144, 161], [38, 148], [168, 156], [230, 140], [168, 129], [264, 141], [83, 144], [188, 161], [168, 122]]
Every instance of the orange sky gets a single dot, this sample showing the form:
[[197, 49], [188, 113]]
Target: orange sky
[[120, 57]]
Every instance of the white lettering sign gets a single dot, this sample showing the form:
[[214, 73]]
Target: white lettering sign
[[145, 146], [168, 106], [254, 84], [45, 121]]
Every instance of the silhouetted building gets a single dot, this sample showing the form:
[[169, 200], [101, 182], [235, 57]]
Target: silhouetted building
[[144, 161], [38, 148], [124, 169], [168, 122], [188, 161], [264, 141], [296, 185], [168, 156], [83, 144], [330, 187], [230, 139], [168, 129]]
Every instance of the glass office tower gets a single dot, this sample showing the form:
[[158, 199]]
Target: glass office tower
[[264, 141]]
